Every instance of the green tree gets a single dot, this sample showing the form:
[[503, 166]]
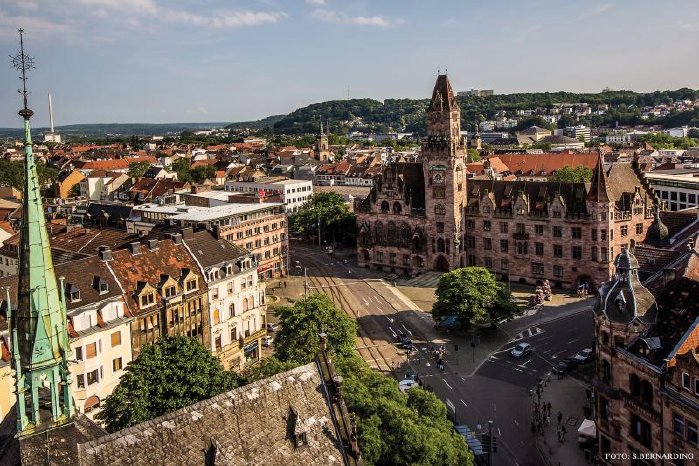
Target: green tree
[[469, 292], [569, 174], [472, 155], [328, 209], [203, 173], [396, 428], [182, 167], [169, 374], [301, 324], [138, 169], [74, 191]]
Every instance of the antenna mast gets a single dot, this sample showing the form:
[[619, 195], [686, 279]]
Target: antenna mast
[[50, 114], [23, 63]]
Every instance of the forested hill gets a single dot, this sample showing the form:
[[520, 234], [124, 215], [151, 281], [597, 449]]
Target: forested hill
[[408, 115]]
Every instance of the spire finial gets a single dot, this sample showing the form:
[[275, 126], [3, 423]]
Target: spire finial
[[23, 63]]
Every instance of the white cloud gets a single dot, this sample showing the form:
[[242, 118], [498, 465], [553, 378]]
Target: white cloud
[[36, 27], [334, 17], [316, 2], [225, 20]]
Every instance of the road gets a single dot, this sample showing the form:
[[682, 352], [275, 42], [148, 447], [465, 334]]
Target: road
[[499, 388]]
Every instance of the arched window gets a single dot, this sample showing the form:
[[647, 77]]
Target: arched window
[[391, 237], [245, 304], [439, 209], [606, 371], [635, 385], [379, 233], [405, 235], [646, 392], [384, 207], [441, 247], [397, 208]]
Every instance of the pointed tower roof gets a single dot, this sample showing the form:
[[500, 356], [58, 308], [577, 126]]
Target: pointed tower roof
[[598, 189], [442, 95], [39, 328]]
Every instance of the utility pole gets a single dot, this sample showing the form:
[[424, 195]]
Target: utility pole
[[319, 242], [305, 282]]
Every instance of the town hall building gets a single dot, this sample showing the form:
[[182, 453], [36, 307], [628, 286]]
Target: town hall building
[[430, 216]]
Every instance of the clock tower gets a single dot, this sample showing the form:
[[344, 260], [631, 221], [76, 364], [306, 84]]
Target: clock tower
[[443, 159]]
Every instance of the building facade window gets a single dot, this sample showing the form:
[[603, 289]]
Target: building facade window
[[686, 381], [504, 245], [504, 265], [116, 339], [577, 252], [117, 364], [576, 232], [486, 225], [504, 227], [557, 250], [558, 232], [639, 228], [487, 244], [537, 268], [539, 230], [624, 230], [557, 271], [539, 249], [488, 262]]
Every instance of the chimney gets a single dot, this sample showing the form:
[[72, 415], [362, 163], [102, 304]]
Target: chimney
[[152, 244], [105, 253], [135, 247], [187, 233], [176, 238]]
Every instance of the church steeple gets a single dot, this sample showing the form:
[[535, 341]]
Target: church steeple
[[444, 115], [40, 348]]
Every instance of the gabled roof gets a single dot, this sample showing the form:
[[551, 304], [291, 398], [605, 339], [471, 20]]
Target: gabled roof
[[253, 424], [544, 164], [598, 187], [148, 265], [210, 251]]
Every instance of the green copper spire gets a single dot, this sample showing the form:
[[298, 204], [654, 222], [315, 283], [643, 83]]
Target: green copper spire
[[40, 348]]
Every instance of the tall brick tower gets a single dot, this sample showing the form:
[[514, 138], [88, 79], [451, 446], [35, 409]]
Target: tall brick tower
[[444, 155]]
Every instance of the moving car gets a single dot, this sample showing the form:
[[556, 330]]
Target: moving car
[[267, 340], [521, 350], [272, 327], [584, 356], [565, 365]]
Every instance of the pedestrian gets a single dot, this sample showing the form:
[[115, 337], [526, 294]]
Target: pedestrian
[[560, 437], [560, 417], [563, 430], [548, 407], [533, 427], [548, 419]]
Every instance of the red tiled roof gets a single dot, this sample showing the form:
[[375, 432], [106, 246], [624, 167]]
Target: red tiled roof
[[111, 164], [548, 163]]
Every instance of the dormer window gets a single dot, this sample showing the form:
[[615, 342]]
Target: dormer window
[[73, 293], [100, 285], [170, 291], [147, 299], [191, 285]]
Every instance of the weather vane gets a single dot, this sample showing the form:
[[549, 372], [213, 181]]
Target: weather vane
[[23, 63]]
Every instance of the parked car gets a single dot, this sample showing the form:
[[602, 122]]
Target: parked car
[[584, 356], [267, 340], [272, 327], [407, 384], [521, 350], [565, 365], [405, 341]]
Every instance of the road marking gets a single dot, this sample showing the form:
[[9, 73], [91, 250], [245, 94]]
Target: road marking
[[406, 328], [394, 333], [527, 333], [447, 384], [464, 403], [572, 341], [463, 379], [427, 364], [389, 319], [366, 303], [499, 433], [450, 405], [515, 421], [524, 364]]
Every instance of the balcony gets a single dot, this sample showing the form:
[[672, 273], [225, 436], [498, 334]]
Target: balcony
[[255, 336], [522, 236], [637, 405]]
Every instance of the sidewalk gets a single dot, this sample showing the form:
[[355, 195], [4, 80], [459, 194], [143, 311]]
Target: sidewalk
[[568, 396]]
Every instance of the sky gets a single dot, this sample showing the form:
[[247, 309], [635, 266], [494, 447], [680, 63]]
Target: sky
[[166, 61]]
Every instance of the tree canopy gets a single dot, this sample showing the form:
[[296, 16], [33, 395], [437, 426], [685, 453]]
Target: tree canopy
[[472, 293], [12, 173], [336, 220], [138, 169], [182, 167], [569, 174], [169, 374], [397, 428], [301, 324], [393, 427], [203, 173]]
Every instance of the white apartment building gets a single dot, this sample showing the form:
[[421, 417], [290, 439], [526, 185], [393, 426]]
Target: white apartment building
[[294, 193], [678, 188], [237, 303]]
